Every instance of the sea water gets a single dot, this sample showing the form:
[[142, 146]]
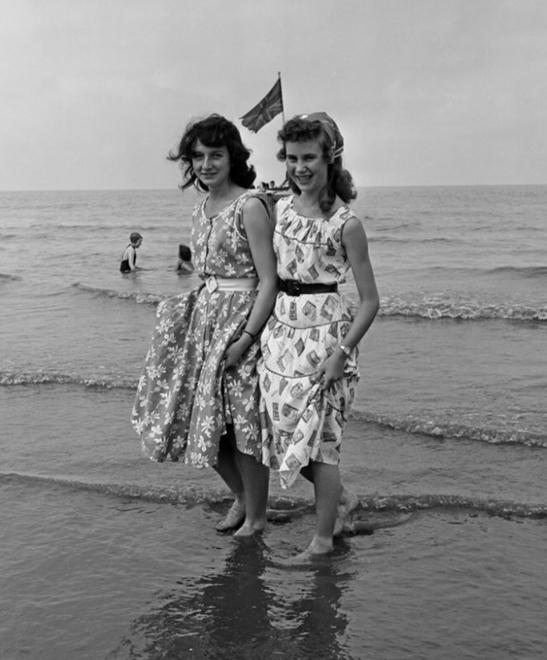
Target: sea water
[[105, 554]]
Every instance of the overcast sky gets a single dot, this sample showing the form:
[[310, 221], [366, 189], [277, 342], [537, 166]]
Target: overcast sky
[[426, 92]]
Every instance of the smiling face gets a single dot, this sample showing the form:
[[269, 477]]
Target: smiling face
[[306, 165], [211, 164]]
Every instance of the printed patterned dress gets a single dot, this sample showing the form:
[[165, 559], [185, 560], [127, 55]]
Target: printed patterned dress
[[301, 423], [185, 399]]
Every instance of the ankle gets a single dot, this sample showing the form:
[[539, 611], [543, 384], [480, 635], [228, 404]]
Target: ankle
[[249, 528], [320, 545]]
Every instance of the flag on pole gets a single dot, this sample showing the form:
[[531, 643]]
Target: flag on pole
[[265, 110]]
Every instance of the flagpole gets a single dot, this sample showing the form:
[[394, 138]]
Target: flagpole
[[282, 104]]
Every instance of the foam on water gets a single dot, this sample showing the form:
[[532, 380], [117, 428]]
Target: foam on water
[[428, 306], [437, 426], [138, 297], [284, 509], [434, 307]]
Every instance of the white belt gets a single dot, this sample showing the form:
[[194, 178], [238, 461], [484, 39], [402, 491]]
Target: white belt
[[214, 283]]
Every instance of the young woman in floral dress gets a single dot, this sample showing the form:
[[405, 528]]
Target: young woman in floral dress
[[309, 367], [197, 399]]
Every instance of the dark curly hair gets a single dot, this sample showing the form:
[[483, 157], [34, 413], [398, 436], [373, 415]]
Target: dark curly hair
[[339, 180], [214, 131]]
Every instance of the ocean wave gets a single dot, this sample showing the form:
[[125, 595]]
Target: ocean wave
[[520, 271], [429, 307], [186, 495], [139, 297], [432, 502], [90, 226], [386, 224], [437, 428], [453, 430], [435, 308], [8, 378], [282, 509], [10, 278], [378, 238]]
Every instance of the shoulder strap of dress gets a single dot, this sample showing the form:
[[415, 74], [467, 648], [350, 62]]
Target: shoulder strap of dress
[[244, 197], [343, 214], [198, 206], [341, 217], [283, 204], [240, 203]]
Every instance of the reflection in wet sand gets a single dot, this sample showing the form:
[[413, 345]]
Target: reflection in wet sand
[[252, 609]]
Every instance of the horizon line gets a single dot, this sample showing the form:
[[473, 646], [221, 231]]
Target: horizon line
[[161, 189]]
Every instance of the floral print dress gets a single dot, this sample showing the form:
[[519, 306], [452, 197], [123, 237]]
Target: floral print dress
[[185, 399], [301, 422]]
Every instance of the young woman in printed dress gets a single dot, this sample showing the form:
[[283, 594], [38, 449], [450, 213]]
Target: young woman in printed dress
[[197, 399], [308, 371]]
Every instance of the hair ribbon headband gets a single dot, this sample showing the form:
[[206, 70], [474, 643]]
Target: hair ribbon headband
[[331, 129]]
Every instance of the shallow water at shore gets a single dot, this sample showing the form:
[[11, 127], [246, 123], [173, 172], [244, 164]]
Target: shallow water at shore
[[108, 555], [126, 578]]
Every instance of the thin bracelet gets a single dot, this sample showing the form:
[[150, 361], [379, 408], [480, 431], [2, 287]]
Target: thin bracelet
[[253, 337], [346, 350]]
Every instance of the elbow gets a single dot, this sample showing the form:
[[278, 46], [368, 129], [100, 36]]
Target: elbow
[[374, 305]]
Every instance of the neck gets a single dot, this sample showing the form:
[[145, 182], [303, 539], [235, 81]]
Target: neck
[[224, 191], [309, 202], [309, 199]]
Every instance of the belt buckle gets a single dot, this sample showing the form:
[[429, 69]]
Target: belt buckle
[[293, 288], [211, 283]]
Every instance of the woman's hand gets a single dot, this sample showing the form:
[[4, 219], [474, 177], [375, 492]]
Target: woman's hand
[[331, 369], [235, 350]]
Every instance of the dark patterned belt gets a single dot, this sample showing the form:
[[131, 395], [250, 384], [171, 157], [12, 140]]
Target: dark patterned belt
[[297, 288]]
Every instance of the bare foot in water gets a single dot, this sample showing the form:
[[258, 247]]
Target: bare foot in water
[[348, 502], [249, 529], [233, 519], [318, 549]]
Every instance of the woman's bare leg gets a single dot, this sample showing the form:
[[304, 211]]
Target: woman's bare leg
[[326, 481], [227, 467], [347, 502], [255, 477]]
